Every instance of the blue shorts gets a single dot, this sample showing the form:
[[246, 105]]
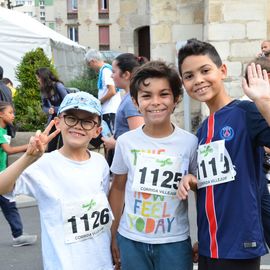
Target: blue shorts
[[170, 256]]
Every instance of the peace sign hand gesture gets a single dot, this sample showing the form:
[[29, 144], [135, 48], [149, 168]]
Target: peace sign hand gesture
[[38, 143]]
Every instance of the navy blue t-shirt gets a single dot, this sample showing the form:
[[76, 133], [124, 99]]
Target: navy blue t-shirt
[[229, 214]]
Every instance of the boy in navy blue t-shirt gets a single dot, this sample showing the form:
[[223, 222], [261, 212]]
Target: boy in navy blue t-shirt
[[230, 174]]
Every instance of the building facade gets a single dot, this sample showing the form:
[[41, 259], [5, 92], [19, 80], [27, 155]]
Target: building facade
[[155, 28]]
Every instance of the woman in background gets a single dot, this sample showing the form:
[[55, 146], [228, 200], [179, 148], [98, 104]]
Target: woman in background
[[127, 116], [52, 92]]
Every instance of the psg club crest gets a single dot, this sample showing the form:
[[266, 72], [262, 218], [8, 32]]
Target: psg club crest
[[227, 133]]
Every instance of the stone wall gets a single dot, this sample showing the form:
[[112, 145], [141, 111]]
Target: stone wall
[[134, 14], [236, 29]]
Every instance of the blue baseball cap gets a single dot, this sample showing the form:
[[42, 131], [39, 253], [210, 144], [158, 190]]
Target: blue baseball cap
[[80, 101]]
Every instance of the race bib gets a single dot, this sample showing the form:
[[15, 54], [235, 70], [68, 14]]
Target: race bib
[[157, 174], [214, 164], [86, 219]]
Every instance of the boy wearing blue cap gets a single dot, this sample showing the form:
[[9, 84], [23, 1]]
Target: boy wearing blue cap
[[70, 186]]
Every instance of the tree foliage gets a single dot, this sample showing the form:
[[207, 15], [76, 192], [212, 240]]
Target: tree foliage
[[29, 114]]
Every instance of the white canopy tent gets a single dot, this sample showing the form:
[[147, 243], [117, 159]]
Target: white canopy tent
[[20, 34]]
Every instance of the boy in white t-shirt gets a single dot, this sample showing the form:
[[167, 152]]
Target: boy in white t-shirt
[[153, 228], [70, 186]]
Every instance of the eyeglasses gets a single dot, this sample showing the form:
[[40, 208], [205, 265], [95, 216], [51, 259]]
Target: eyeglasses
[[72, 121]]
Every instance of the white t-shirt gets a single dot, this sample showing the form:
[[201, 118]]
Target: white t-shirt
[[111, 105], [150, 218], [55, 182]]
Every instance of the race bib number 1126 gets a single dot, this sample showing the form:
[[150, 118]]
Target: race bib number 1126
[[86, 219]]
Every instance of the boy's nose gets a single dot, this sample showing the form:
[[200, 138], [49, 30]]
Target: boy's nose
[[198, 79], [156, 100], [78, 125]]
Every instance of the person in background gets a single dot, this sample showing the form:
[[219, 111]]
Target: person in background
[[7, 202], [9, 84], [52, 92], [6, 95], [265, 49], [108, 95], [264, 62], [127, 116]]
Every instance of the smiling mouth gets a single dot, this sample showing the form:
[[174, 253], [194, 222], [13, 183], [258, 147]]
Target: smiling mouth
[[201, 90], [77, 134], [157, 111]]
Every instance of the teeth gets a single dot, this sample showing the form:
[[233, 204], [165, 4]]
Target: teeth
[[201, 90], [76, 134]]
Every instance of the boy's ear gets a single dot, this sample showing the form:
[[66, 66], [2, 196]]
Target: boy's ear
[[56, 122], [98, 131], [223, 69], [135, 104]]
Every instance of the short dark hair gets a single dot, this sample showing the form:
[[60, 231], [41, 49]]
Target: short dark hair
[[1, 73], [197, 47], [156, 69]]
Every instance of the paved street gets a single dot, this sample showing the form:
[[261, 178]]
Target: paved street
[[21, 258], [29, 257]]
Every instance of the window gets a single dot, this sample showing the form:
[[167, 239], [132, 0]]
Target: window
[[73, 33], [104, 5], [20, 2], [42, 3], [103, 9], [42, 14], [74, 4], [104, 37]]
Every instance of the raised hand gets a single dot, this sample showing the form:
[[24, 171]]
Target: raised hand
[[258, 89], [257, 86]]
